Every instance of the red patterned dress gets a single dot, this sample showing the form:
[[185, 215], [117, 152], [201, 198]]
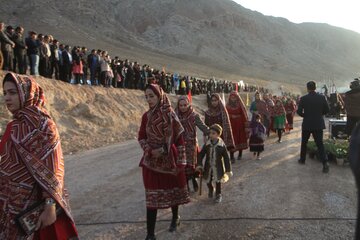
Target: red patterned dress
[[32, 163], [164, 177], [219, 115], [239, 122], [290, 108], [190, 120]]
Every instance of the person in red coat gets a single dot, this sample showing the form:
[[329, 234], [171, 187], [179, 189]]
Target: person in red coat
[[32, 166], [239, 124], [290, 108], [164, 160]]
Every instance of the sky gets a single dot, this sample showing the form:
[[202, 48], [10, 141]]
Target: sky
[[344, 13]]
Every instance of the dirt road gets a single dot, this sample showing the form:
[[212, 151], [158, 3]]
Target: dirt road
[[274, 198]]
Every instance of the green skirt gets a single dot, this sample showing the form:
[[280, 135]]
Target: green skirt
[[279, 122]]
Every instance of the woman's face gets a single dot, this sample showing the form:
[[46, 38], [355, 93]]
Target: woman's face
[[183, 106], [151, 98], [257, 96], [214, 102], [11, 96], [232, 98]]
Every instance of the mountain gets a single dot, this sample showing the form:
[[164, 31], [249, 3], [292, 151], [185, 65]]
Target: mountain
[[203, 37]]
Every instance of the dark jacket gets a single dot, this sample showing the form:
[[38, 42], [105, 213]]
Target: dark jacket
[[20, 46], [5, 42], [222, 160], [312, 108], [352, 103], [33, 46]]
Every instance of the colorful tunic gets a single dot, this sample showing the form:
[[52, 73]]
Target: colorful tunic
[[164, 177], [279, 115], [257, 136], [290, 108], [32, 163], [190, 120], [239, 122], [260, 107], [219, 115]]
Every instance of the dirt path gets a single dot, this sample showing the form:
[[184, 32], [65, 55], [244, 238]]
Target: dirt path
[[265, 199]]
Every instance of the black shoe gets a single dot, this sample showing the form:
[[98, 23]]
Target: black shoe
[[301, 161], [175, 223], [326, 168], [148, 237]]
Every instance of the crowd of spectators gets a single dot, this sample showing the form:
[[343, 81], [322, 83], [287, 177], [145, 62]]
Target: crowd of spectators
[[39, 54]]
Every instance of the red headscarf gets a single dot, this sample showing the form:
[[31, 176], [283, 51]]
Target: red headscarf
[[36, 142], [278, 108], [214, 111], [163, 123], [188, 113], [237, 104]]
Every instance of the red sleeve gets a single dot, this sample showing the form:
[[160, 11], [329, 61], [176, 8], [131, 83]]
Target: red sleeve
[[142, 130], [142, 138], [6, 136]]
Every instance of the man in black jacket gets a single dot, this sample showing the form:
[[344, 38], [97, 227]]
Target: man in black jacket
[[20, 51], [312, 108], [7, 46]]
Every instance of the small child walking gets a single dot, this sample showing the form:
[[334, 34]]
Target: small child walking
[[257, 137], [217, 166]]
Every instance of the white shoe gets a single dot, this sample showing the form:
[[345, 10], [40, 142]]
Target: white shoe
[[258, 158]]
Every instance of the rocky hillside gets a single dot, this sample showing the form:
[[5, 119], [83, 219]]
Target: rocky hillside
[[204, 37]]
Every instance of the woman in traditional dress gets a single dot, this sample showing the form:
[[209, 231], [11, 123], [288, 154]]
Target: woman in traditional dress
[[290, 108], [190, 120], [279, 118], [163, 162], [217, 114], [257, 136], [239, 124], [32, 166], [259, 106]]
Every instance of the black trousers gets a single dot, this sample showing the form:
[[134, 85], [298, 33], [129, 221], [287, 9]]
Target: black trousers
[[20, 63], [318, 138], [8, 58]]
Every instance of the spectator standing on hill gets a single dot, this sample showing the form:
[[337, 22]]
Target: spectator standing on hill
[[77, 67], [92, 62], [66, 64], [45, 54], [20, 51], [7, 46], [83, 55], [33, 53], [105, 75], [55, 59]]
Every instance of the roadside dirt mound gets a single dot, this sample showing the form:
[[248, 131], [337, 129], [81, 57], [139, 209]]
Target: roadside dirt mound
[[91, 117]]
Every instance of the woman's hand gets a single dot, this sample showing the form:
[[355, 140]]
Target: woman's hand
[[47, 217], [157, 152]]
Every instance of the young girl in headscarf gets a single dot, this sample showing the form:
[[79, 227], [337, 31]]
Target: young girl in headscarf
[[239, 124], [279, 118], [217, 114], [257, 136], [32, 166], [164, 159], [190, 120]]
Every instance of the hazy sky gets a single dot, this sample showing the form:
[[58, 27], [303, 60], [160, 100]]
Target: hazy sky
[[344, 13]]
